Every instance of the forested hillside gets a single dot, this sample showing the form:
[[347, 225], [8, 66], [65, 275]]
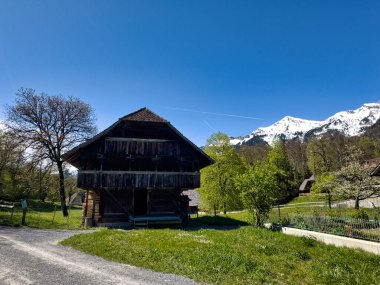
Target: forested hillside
[[374, 130], [332, 157]]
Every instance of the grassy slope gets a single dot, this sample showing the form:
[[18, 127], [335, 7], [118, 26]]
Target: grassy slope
[[241, 218], [40, 215], [309, 198], [243, 256], [295, 206]]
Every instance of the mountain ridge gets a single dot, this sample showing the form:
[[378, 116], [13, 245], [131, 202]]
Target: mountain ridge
[[350, 123]]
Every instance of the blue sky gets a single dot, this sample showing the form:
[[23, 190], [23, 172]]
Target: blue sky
[[262, 59]]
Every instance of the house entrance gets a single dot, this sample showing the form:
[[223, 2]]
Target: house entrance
[[140, 202]]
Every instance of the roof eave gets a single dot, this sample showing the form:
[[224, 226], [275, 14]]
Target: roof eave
[[210, 160]]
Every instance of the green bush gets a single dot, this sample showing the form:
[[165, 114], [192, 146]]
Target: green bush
[[309, 241], [361, 214]]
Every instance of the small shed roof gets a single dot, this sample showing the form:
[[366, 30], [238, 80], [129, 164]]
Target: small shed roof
[[306, 181], [193, 196], [376, 171], [375, 162], [75, 199]]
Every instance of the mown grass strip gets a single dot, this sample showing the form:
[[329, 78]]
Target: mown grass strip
[[241, 256], [40, 215]]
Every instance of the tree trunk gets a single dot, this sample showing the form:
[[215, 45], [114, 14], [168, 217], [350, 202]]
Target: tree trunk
[[214, 210], [1, 183], [329, 198], [14, 184], [357, 203], [62, 194], [258, 221], [224, 208]]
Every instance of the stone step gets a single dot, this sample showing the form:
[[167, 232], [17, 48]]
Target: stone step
[[123, 225], [115, 220]]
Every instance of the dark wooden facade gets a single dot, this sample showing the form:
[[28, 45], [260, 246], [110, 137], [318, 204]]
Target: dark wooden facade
[[138, 167]]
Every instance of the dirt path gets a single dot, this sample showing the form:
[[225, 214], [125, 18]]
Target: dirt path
[[31, 256], [367, 203]]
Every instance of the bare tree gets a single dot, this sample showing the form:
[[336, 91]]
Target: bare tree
[[254, 154], [50, 125], [296, 152]]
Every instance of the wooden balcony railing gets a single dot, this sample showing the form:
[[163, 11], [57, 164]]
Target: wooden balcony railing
[[133, 146], [137, 179]]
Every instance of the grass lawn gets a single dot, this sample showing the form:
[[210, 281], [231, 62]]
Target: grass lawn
[[40, 215], [242, 218], [240, 256], [309, 198], [310, 210], [232, 219]]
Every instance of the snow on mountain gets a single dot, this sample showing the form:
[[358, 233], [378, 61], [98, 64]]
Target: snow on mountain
[[350, 123]]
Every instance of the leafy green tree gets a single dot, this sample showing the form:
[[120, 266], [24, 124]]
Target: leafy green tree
[[369, 147], [259, 190], [278, 160], [217, 180], [12, 160], [354, 180], [325, 183]]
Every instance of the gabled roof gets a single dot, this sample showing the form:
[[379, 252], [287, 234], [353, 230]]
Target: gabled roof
[[141, 115]]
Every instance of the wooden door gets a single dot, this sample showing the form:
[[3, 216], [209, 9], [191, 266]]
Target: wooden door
[[140, 202]]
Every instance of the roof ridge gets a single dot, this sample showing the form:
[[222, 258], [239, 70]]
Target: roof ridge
[[144, 114]]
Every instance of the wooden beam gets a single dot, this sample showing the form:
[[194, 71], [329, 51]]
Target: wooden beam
[[147, 202], [93, 206], [135, 172], [136, 140], [86, 207], [137, 179], [133, 201]]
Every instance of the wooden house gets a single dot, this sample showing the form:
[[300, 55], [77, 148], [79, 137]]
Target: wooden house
[[136, 170]]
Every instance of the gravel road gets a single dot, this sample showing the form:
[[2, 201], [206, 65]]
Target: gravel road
[[31, 256], [367, 203]]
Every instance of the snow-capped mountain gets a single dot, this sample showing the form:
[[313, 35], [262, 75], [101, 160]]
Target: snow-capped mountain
[[350, 123]]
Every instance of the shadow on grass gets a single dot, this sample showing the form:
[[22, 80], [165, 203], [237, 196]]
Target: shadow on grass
[[42, 206], [205, 222], [42, 215], [215, 222]]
